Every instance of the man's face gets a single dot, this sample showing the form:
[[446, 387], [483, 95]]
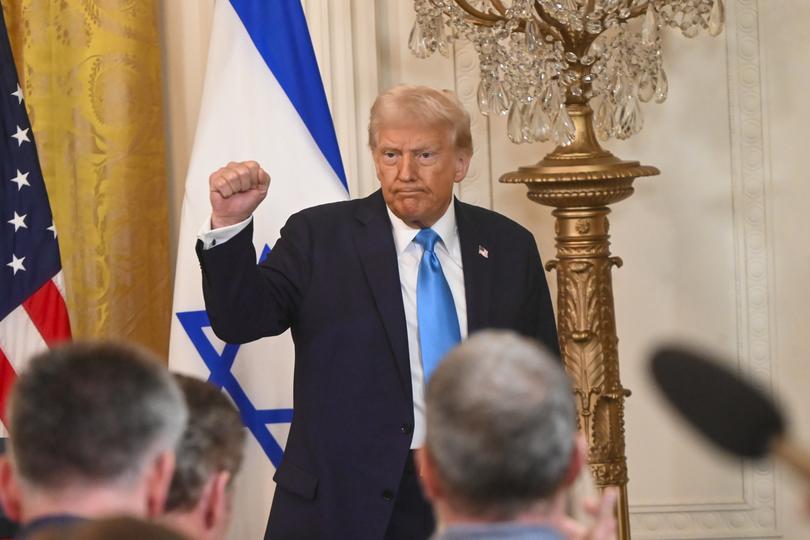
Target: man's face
[[417, 167]]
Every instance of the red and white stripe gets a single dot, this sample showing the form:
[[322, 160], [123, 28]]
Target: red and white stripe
[[39, 323]]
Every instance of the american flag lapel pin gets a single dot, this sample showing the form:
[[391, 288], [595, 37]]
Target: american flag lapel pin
[[483, 251]]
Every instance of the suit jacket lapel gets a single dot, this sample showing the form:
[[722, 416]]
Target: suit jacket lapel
[[378, 255], [475, 257]]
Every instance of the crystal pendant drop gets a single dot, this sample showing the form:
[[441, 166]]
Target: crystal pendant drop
[[483, 98], [631, 119], [526, 121], [563, 129], [649, 29], [646, 88], [717, 18], [603, 119], [540, 127], [417, 42], [552, 98], [498, 100], [504, 101], [514, 124], [440, 37], [533, 38], [619, 113], [661, 86]]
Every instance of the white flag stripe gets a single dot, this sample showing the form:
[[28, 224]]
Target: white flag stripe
[[59, 281], [20, 339]]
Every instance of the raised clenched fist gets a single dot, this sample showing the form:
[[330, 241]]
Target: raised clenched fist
[[236, 191]]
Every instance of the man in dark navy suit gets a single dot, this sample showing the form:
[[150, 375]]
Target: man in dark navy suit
[[374, 290]]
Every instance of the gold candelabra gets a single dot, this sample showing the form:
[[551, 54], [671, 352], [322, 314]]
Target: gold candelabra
[[580, 181], [571, 71]]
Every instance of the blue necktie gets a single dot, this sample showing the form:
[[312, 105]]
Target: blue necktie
[[435, 309]]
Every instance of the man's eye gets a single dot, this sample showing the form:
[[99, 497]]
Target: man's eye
[[389, 155], [426, 155]]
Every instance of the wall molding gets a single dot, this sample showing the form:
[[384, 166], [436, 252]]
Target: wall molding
[[755, 516]]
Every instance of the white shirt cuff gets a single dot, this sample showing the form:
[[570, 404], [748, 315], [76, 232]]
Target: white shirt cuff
[[214, 237]]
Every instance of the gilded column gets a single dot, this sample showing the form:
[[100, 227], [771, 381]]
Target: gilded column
[[588, 341], [580, 180]]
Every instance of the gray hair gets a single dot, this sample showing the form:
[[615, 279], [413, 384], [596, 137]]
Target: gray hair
[[421, 104], [213, 442], [93, 413], [501, 424]]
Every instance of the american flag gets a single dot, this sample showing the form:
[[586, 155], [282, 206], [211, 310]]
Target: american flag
[[33, 315]]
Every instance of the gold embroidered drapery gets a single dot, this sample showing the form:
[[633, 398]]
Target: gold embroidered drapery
[[90, 72]]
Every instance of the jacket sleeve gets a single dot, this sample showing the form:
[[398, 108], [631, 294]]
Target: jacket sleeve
[[246, 301], [538, 303]]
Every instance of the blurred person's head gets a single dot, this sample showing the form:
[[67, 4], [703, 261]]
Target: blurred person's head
[[208, 457], [501, 442], [114, 528], [92, 431]]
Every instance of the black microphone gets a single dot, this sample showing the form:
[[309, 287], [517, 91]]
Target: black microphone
[[726, 408]]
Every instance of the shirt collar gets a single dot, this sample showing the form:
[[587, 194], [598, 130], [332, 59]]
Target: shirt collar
[[445, 227]]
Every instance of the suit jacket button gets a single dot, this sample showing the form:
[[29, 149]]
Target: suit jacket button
[[388, 495], [407, 429]]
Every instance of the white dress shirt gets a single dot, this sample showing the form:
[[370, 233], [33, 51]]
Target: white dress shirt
[[409, 254]]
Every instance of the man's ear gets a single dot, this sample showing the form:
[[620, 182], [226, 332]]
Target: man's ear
[[428, 475], [215, 501], [158, 480], [578, 459], [463, 159], [10, 498]]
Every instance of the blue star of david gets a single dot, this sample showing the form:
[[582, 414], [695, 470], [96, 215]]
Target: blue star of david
[[220, 365]]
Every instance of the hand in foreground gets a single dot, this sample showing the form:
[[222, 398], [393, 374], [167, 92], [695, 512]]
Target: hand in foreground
[[236, 190], [603, 526]]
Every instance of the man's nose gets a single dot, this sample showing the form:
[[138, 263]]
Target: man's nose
[[407, 168]]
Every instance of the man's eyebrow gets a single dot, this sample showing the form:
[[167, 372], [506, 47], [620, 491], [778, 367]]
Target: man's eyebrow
[[433, 148]]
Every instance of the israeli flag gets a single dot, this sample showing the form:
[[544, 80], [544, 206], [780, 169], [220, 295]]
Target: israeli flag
[[263, 100]]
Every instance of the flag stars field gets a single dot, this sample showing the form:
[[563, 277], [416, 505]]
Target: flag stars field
[[21, 136], [18, 221], [16, 264], [52, 228], [21, 179]]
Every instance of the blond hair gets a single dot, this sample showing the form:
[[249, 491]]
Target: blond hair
[[421, 104]]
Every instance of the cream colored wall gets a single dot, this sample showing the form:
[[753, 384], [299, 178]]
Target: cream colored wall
[[714, 248]]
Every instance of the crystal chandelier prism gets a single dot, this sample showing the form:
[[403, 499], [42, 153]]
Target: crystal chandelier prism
[[538, 56]]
